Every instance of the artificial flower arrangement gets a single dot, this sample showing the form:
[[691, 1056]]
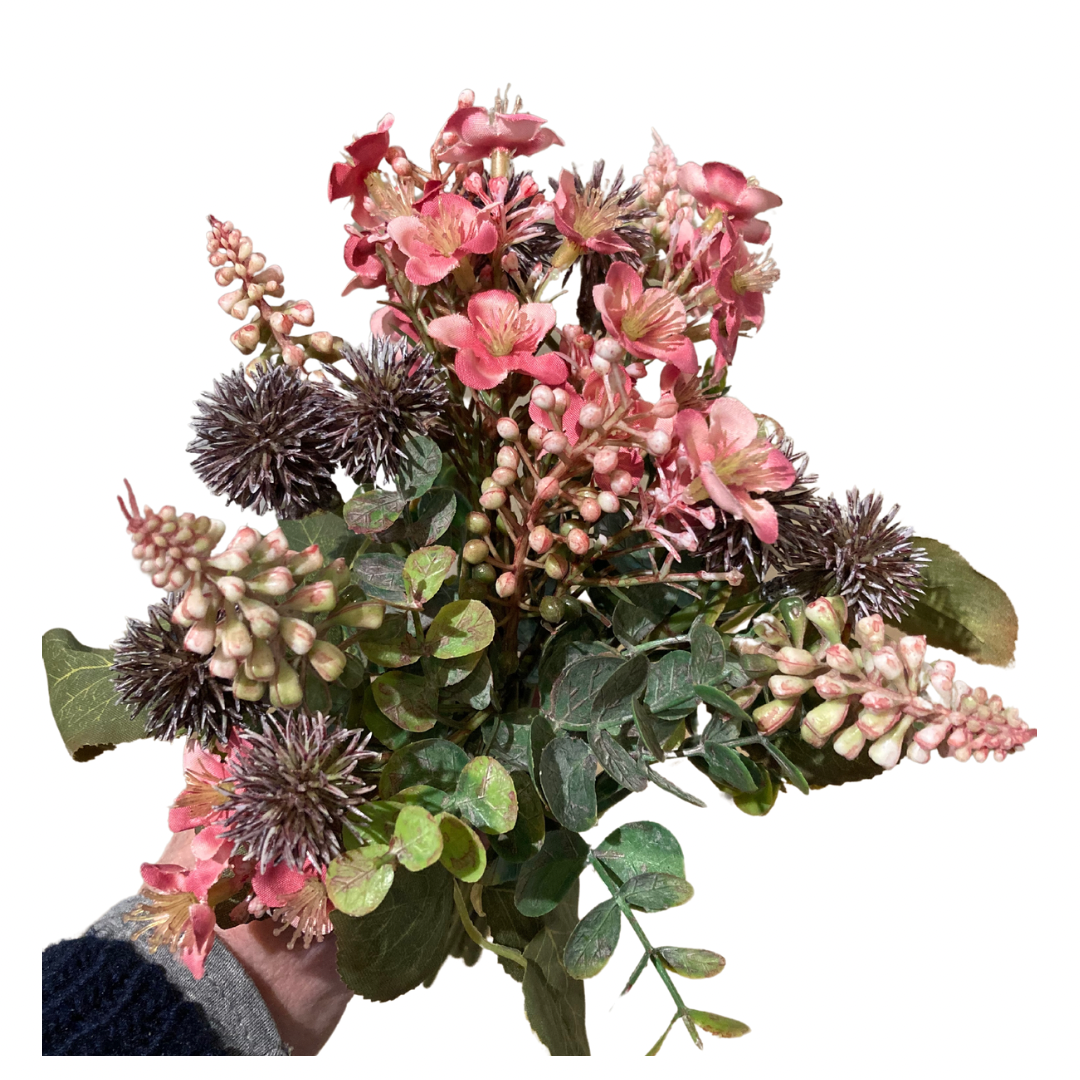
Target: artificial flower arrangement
[[403, 710]]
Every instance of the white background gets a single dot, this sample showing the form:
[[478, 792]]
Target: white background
[[916, 344]]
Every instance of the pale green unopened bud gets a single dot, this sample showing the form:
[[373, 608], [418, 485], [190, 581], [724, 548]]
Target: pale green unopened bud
[[247, 689], [793, 612], [556, 566], [285, 690], [875, 724], [297, 634], [262, 664], [327, 660], [229, 561], [306, 561], [792, 661], [262, 618], [366, 616], [773, 715], [272, 546], [235, 638], [788, 686], [274, 581], [824, 615], [317, 596], [232, 588], [849, 742], [771, 631], [886, 750], [826, 718]]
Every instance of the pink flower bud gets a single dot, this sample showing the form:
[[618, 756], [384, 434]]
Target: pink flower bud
[[272, 546], [826, 618], [297, 634], [888, 663], [788, 686], [658, 442], [465, 99], [222, 666], [536, 435], [327, 660], [302, 312], [886, 750], [609, 502], [235, 638], [880, 700], [505, 585], [577, 540], [917, 753], [306, 561], [510, 262], [792, 661], [261, 618], [227, 301], [600, 365], [232, 588], [280, 323], [607, 349], [840, 658], [826, 718], [849, 743], [493, 498], [285, 689], [246, 339], [543, 397], [622, 483], [912, 650], [274, 581], [562, 400], [322, 341], [942, 684], [772, 716], [875, 724], [256, 262], [317, 596], [541, 539], [225, 276], [547, 488], [591, 416], [829, 686], [636, 369], [932, 734], [554, 442], [590, 510], [870, 632], [605, 460], [200, 637], [504, 477], [293, 355], [244, 250], [508, 429], [229, 560], [192, 607]]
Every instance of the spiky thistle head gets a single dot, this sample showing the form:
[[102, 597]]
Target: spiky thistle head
[[170, 686], [733, 545], [388, 394], [265, 442], [294, 785], [855, 551]]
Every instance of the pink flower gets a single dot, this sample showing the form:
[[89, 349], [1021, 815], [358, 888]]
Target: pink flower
[[731, 460], [740, 281], [347, 178], [473, 134], [199, 804], [648, 323], [717, 186], [362, 259], [447, 229], [588, 219], [500, 335]]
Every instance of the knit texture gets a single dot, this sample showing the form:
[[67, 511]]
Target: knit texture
[[101, 997]]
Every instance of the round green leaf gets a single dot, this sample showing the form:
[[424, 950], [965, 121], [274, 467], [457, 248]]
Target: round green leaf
[[426, 569], [722, 1026], [461, 627], [419, 839], [550, 874], [485, 796], [641, 847], [656, 892], [593, 941], [525, 838], [568, 781], [691, 963], [463, 853], [357, 881], [435, 762], [405, 699]]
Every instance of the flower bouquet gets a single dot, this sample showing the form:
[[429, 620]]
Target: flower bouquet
[[570, 556]]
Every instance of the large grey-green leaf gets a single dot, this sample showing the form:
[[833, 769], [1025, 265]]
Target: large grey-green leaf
[[641, 847], [325, 528], [82, 696], [568, 781], [549, 875], [593, 941]]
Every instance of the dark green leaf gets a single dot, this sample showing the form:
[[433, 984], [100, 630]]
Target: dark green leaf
[[403, 942], [647, 723], [434, 515], [575, 690], [554, 1002], [381, 576], [670, 693], [426, 569], [632, 624], [421, 467], [83, 697], [636, 973], [405, 699], [664, 784], [541, 732], [568, 781], [570, 642], [593, 941], [641, 847], [721, 1026], [508, 926], [390, 646], [789, 769], [656, 892], [617, 762], [325, 528], [485, 796], [474, 689], [824, 767], [548, 876], [706, 654], [625, 682], [691, 963], [460, 627], [726, 766], [370, 716], [962, 609], [725, 705], [369, 512], [508, 741], [758, 803], [525, 838]]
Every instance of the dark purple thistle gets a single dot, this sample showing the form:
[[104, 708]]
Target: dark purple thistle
[[295, 785]]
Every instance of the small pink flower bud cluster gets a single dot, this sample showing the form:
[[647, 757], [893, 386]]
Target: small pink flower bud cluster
[[661, 174], [244, 607], [879, 683], [238, 264]]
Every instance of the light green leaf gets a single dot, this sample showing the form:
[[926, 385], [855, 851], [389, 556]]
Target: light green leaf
[[721, 1026], [82, 696], [485, 796], [656, 892], [641, 847], [357, 881], [369, 512], [391, 646], [463, 852], [460, 628], [405, 699], [437, 762], [691, 963], [426, 569], [419, 839]]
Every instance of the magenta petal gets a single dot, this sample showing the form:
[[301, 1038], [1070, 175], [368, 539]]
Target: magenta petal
[[691, 179], [754, 231], [754, 200]]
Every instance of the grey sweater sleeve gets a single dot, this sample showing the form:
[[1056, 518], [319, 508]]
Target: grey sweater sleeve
[[232, 1005]]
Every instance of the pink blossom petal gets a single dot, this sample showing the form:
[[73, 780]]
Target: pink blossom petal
[[164, 877], [719, 492], [427, 269], [693, 433], [780, 472], [407, 232], [549, 368], [734, 422], [487, 236], [762, 516], [624, 279], [199, 939], [453, 330], [478, 370], [684, 358], [275, 883], [754, 231], [539, 320]]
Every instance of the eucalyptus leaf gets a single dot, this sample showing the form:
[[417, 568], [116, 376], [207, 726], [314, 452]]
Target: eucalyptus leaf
[[617, 761], [549, 875], [460, 628], [706, 654], [426, 569], [568, 782], [727, 766], [623, 684], [82, 696], [391, 646], [790, 770], [575, 690], [406, 700], [647, 724], [370, 511], [721, 1026], [358, 880], [593, 941], [656, 891], [420, 468], [640, 847], [670, 693], [381, 575], [723, 703], [462, 850], [691, 963], [664, 784], [485, 796]]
